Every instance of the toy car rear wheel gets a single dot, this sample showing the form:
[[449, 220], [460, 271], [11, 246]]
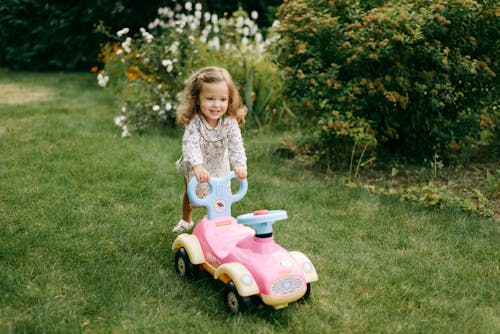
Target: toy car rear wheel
[[236, 303], [183, 265]]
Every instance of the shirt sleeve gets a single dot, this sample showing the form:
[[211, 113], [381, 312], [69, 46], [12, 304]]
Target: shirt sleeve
[[236, 150], [191, 150]]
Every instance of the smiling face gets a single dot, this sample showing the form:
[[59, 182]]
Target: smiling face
[[214, 101]]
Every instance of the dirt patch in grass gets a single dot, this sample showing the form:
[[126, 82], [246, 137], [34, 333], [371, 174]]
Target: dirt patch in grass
[[12, 93], [475, 188]]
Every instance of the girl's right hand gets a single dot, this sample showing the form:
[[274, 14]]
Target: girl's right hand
[[201, 173]]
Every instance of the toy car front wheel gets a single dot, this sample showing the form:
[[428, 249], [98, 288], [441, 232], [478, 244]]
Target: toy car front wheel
[[183, 265], [236, 303], [307, 295]]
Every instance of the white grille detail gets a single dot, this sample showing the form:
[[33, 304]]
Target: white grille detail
[[287, 285]]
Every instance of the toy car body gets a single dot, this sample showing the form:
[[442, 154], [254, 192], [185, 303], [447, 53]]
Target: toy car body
[[248, 260]]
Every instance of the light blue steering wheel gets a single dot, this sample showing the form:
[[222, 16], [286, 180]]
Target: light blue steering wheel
[[262, 221], [219, 199]]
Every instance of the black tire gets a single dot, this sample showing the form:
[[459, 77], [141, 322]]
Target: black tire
[[236, 303], [183, 265], [307, 295]]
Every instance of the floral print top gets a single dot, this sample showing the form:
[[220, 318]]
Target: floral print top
[[214, 148]]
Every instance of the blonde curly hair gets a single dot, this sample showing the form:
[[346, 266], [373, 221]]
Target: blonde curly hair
[[189, 98]]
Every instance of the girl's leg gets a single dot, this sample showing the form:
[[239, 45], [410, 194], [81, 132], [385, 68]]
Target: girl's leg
[[187, 211], [185, 224]]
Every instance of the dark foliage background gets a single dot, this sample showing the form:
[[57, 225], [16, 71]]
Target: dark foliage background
[[60, 35]]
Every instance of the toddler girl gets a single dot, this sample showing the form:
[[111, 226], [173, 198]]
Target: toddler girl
[[211, 109]]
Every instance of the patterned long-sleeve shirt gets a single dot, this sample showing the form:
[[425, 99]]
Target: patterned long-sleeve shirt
[[215, 148]]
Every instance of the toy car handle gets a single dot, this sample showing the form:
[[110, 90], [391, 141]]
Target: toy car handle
[[262, 221], [219, 199]]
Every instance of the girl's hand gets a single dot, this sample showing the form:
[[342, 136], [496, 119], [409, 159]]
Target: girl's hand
[[241, 172], [201, 173]]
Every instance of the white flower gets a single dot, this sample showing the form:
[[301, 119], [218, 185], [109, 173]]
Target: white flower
[[254, 15], [102, 80], [168, 64], [168, 106], [125, 132], [198, 6], [120, 120], [126, 44], [122, 32], [124, 109], [154, 24], [215, 19], [240, 21], [181, 22], [258, 37], [188, 6], [206, 16], [166, 12], [146, 35], [156, 107], [214, 43], [174, 48], [253, 30]]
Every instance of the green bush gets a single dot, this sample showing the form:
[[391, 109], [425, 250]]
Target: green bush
[[149, 69], [418, 77]]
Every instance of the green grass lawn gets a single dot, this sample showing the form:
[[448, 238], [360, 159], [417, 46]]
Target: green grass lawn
[[85, 241]]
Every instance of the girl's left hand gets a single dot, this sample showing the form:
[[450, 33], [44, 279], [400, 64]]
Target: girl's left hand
[[241, 172]]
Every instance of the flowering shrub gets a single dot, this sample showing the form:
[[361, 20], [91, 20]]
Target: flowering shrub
[[414, 77], [149, 69]]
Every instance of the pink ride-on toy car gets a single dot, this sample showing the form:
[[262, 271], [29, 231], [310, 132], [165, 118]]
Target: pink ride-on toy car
[[247, 260]]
